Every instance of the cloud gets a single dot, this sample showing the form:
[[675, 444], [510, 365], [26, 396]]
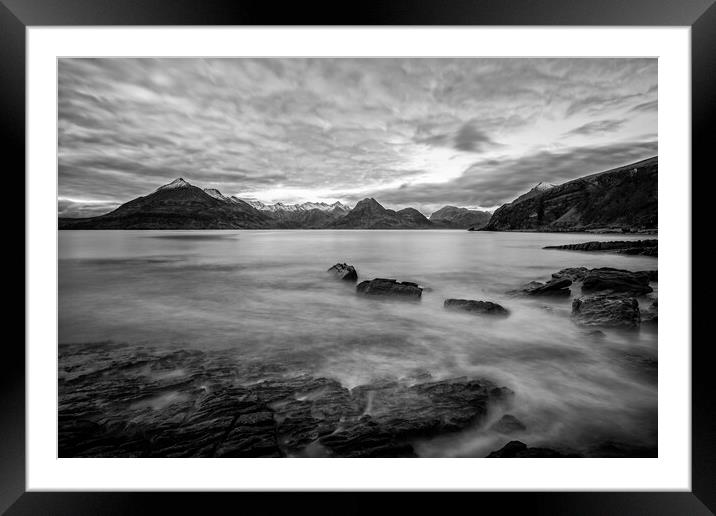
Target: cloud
[[645, 107], [493, 182], [79, 208], [598, 126], [331, 129]]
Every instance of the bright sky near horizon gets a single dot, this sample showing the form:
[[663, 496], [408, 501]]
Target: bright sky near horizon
[[409, 132]]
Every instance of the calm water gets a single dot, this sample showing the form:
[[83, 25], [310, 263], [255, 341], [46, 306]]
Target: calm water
[[266, 295]]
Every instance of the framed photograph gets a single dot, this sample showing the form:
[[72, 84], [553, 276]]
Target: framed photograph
[[415, 250]]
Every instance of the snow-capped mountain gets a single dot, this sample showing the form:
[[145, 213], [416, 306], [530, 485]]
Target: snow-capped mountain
[[216, 194], [541, 187], [177, 183], [306, 206], [535, 190]]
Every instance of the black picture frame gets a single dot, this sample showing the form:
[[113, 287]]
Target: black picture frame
[[700, 15]]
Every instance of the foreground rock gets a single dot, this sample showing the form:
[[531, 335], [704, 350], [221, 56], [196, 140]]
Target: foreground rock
[[607, 279], [607, 311], [641, 247], [344, 271], [479, 307], [554, 287], [390, 287], [518, 449], [508, 424], [395, 414], [572, 273], [129, 401]]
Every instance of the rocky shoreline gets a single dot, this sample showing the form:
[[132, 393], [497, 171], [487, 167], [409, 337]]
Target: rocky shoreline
[[121, 400], [143, 402], [633, 247]]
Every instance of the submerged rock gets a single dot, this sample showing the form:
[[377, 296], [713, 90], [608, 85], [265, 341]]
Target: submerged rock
[[650, 315], [390, 287], [344, 271], [518, 449], [508, 424], [607, 279], [611, 311], [480, 307]]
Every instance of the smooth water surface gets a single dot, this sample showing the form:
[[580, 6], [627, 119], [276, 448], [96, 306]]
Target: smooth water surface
[[266, 295]]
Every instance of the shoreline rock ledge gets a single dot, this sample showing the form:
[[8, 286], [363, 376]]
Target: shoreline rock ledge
[[344, 272], [603, 310], [390, 288], [473, 306], [642, 247]]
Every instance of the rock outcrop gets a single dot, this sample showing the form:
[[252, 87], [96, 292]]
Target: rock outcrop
[[133, 401], [508, 424], [572, 273], [518, 449], [554, 287], [390, 287], [344, 272], [606, 311], [607, 279], [643, 247], [472, 306]]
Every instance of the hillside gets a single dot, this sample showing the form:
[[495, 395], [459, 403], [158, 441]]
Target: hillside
[[623, 198], [460, 218], [370, 214], [177, 205]]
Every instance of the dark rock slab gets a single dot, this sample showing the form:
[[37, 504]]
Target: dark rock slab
[[390, 287], [607, 279], [396, 414], [344, 272], [652, 275], [518, 449], [572, 273], [554, 287], [479, 307], [641, 247], [607, 311], [557, 287], [508, 424]]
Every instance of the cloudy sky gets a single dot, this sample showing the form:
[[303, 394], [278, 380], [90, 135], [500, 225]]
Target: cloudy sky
[[408, 132]]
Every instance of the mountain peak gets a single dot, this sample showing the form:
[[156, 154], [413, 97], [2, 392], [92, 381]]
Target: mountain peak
[[542, 186], [177, 183], [368, 201], [216, 194]]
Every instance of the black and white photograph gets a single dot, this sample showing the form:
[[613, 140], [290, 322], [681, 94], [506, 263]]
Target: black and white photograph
[[357, 257]]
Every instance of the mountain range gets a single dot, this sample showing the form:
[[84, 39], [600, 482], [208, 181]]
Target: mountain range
[[181, 205], [621, 199]]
